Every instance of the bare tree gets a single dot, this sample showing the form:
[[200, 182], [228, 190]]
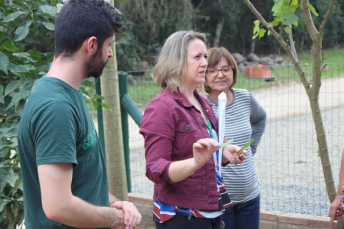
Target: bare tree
[[312, 87]]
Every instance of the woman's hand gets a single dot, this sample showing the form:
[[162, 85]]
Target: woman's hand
[[335, 211], [203, 151], [228, 154]]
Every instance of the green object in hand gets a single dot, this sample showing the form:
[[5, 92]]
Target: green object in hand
[[246, 145], [223, 145]]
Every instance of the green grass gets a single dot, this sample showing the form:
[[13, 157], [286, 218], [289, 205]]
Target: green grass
[[329, 55], [144, 91], [332, 58]]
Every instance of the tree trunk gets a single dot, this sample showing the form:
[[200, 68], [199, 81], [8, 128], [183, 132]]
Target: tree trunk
[[218, 31], [253, 46], [113, 129]]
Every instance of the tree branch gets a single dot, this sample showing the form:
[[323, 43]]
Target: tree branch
[[284, 45], [292, 44], [312, 30], [322, 26]]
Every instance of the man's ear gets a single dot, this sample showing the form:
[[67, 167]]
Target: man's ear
[[91, 45]]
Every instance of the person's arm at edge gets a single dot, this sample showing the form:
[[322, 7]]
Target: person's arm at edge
[[60, 205], [335, 210]]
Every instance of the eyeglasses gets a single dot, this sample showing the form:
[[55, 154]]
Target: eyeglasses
[[226, 71]]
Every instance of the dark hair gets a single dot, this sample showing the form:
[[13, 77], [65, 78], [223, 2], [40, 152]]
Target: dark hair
[[214, 56], [80, 19]]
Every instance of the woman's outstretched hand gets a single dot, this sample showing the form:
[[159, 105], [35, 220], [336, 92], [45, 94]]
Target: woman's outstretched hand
[[203, 150]]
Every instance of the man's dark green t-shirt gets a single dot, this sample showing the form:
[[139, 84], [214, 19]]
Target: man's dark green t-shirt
[[56, 127]]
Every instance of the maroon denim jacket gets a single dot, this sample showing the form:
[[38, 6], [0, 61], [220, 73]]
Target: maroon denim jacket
[[170, 125]]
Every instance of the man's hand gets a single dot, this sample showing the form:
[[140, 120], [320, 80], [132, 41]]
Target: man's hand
[[131, 216]]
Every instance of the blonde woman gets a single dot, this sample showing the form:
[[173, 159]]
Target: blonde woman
[[180, 132]]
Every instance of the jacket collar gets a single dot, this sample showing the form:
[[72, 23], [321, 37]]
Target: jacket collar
[[180, 98]]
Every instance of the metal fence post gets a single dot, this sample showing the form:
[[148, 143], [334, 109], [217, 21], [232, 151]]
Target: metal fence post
[[100, 117], [123, 90]]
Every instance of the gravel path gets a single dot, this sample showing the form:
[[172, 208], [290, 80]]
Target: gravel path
[[289, 168]]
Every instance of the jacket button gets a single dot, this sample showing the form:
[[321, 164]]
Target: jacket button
[[187, 127]]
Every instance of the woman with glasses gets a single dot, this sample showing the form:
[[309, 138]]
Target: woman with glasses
[[245, 119], [180, 134]]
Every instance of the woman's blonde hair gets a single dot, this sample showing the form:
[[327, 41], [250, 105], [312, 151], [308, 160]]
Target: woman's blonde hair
[[214, 56], [172, 58]]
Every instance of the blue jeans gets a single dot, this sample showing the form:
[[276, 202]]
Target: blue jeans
[[243, 216]]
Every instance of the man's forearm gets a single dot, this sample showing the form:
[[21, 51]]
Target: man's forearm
[[78, 213]]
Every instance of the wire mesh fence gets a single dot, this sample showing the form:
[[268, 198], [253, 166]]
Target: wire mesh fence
[[287, 161]]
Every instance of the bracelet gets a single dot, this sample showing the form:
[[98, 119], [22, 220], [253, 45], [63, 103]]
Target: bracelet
[[189, 174]]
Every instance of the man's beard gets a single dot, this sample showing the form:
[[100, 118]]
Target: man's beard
[[95, 65]]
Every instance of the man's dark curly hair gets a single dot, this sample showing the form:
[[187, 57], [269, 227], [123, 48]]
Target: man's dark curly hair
[[80, 19]]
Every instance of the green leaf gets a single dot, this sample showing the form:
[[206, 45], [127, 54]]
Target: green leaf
[[262, 32], [277, 8], [9, 46], [286, 15], [95, 104], [1, 89], [17, 185], [29, 67], [287, 30], [15, 68], [13, 16], [256, 26], [48, 10], [294, 3], [24, 55], [49, 25], [23, 31], [13, 85], [256, 29], [20, 95], [88, 83], [3, 202], [246, 145], [223, 145], [289, 18], [4, 62], [12, 177], [59, 7], [105, 106], [312, 9], [292, 20], [276, 22]]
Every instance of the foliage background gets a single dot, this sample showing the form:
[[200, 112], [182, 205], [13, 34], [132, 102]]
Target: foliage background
[[151, 22], [27, 44]]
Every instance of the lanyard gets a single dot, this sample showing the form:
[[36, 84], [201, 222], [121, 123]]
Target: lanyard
[[208, 122], [216, 154]]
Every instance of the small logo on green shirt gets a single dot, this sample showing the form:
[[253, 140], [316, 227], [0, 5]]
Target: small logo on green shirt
[[90, 140]]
